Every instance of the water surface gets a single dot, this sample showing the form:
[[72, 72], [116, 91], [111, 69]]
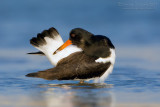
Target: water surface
[[134, 81], [133, 27]]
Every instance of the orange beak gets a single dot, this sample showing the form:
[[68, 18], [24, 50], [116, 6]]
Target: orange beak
[[67, 43]]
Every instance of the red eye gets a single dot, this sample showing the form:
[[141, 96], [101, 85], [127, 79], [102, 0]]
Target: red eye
[[73, 35]]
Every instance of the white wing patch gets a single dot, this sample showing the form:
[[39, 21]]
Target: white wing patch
[[108, 59], [63, 53], [110, 69], [52, 45]]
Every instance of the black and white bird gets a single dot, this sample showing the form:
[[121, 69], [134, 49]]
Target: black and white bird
[[84, 56]]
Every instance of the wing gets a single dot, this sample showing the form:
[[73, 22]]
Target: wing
[[76, 66], [47, 42], [36, 53], [98, 46]]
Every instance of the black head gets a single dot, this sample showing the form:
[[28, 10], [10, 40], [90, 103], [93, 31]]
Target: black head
[[79, 36]]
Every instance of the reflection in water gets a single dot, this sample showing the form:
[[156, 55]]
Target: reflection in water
[[135, 78], [76, 95]]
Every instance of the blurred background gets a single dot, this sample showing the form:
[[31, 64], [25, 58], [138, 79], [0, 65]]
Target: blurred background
[[126, 22], [132, 25]]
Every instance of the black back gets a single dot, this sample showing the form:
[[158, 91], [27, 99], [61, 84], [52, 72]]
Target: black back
[[80, 65], [93, 45]]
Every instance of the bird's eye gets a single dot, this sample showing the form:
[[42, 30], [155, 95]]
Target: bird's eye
[[73, 35]]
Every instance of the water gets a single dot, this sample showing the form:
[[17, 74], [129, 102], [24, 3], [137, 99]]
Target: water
[[135, 80], [132, 26]]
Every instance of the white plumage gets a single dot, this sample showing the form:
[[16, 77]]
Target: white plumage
[[111, 59], [52, 45]]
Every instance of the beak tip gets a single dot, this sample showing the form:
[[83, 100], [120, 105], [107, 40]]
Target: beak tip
[[67, 43]]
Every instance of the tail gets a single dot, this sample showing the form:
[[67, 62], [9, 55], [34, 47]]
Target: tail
[[47, 42]]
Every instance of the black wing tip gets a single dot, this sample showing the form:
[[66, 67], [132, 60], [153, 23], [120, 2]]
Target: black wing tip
[[53, 28], [33, 41], [29, 53], [53, 32], [32, 75], [39, 40]]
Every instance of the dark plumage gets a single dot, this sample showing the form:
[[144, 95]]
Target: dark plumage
[[36, 53], [93, 45], [39, 40], [78, 65]]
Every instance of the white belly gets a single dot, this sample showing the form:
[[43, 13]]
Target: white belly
[[110, 69]]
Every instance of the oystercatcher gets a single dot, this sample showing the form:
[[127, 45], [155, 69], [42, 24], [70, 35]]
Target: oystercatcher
[[84, 56]]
